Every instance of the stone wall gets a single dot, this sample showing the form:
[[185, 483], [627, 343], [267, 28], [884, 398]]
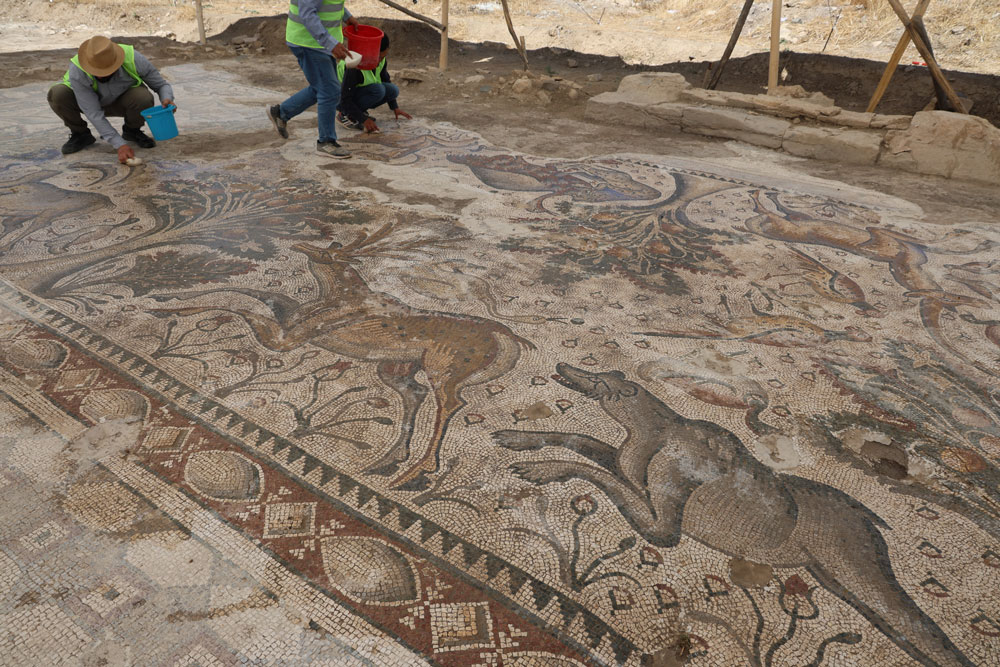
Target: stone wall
[[808, 125]]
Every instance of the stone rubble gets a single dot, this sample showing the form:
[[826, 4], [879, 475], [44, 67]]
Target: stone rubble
[[809, 125]]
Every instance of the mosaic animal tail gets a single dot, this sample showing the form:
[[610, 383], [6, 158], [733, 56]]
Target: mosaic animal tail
[[351, 319], [674, 476]]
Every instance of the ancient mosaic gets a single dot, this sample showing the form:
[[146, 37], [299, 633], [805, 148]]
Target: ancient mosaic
[[505, 409]]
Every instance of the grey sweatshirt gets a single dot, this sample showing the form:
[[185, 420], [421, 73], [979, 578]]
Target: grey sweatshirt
[[92, 102]]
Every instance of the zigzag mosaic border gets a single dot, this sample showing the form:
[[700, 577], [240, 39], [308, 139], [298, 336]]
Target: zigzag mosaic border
[[540, 602]]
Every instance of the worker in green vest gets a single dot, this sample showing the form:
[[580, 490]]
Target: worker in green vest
[[367, 89], [107, 79], [314, 34]]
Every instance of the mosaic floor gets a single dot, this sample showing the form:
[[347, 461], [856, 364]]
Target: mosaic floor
[[490, 409]]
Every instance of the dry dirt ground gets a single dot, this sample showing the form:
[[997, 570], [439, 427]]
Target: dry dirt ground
[[831, 46], [966, 33]]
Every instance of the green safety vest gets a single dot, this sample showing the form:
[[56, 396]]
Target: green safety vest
[[128, 65], [330, 13], [372, 75]]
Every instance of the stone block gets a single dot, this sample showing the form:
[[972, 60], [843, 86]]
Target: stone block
[[880, 121], [412, 75], [622, 109], [800, 93], [833, 143], [790, 108], [858, 119], [946, 144], [734, 124], [550, 84], [719, 98], [653, 87], [522, 87]]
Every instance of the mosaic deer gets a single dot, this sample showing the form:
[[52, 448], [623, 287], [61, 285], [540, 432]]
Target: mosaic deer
[[905, 256], [349, 318]]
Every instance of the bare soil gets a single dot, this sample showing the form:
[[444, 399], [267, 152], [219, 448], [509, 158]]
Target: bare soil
[[849, 81]]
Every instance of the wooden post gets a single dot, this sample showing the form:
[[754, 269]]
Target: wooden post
[[410, 12], [737, 31], [890, 69], [201, 21], [897, 55], [518, 43], [443, 59], [928, 56], [772, 70]]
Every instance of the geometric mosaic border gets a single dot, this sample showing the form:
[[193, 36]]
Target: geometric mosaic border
[[544, 605]]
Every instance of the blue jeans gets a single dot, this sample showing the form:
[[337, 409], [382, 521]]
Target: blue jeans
[[324, 89], [375, 94]]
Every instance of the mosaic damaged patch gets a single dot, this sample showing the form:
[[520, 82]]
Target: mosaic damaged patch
[[499, 410]]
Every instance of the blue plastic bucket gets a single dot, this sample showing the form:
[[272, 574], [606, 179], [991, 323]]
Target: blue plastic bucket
[[161, 122]]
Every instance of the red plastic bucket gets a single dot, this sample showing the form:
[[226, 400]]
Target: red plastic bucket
[[366, 40]]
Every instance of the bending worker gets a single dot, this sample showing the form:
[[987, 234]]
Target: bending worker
[[367, 89], [107, 79], [314, 34]]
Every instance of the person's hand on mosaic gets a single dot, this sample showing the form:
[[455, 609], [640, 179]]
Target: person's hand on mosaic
[[167, 102], [351, 20], [403, 114], [340, 52], [370, 126], [125, 153]]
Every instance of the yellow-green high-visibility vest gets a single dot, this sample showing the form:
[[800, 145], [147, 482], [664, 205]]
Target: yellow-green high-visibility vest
[[128, 65], [372, 75], [330, 13]]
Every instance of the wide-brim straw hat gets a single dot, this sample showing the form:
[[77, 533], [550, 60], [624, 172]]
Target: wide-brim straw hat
[[99, 56]]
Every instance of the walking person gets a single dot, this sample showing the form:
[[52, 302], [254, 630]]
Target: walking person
[[107, 79], [314, 34]]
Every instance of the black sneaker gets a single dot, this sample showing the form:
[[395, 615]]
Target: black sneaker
[[274, 114], [347, 122], [138, 136], [77, 142]]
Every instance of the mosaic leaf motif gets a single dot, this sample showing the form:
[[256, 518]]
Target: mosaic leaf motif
[[223, 475], [111, 404], [172, 270], [369, 570], [236, 219], [36, 355], [934, 413], [648, 244]]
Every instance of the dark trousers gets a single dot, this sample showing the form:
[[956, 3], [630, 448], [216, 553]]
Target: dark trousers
[[63, 102], [375, 95]]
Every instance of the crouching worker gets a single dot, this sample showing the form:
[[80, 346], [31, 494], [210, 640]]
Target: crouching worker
[[366, 89], [107, 79]]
